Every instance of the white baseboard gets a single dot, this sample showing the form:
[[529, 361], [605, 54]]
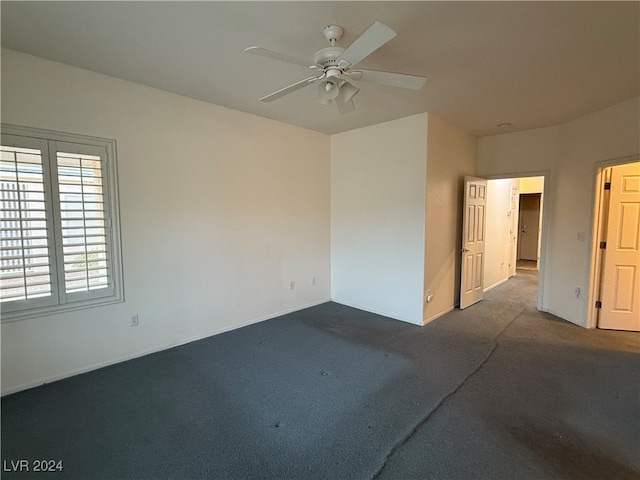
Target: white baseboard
[[384, 314], [500, 282], [438, 315]]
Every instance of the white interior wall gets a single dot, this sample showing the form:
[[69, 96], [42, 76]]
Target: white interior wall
[[377, 217], [220, 211], [497, 245], [451, 155], [570, 153]]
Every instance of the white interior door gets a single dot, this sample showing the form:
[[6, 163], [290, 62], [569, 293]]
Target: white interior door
[[529, 226], [473, 230], [620, 300]]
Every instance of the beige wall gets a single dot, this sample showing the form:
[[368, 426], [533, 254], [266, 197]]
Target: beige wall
[[531, 185], [396, 216], [220, 210], [570, 153], [451, 154], [377, 217]]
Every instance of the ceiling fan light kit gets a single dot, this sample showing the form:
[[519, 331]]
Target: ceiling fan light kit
[[328, 89], [348, 91], [335, 63]]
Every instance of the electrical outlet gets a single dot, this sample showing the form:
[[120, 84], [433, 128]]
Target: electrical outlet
[[313, 281], [292, 285], [135, 320]]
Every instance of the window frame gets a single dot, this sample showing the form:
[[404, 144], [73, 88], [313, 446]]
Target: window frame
[[60, 301]]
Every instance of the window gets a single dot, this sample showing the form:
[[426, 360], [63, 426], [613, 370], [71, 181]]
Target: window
[[59, 236]]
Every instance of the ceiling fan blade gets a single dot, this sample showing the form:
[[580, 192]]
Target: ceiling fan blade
[[291, 88], [283, 57], [391, 79], [344, 106], [372, 39]]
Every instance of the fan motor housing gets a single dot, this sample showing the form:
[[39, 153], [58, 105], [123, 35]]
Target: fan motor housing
[[328, 56]]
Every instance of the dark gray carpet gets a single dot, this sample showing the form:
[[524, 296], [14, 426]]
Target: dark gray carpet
[[498, 390]]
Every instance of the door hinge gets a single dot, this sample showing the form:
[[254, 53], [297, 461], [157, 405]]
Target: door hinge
[[603, 245], [607, 185], [598, 304]]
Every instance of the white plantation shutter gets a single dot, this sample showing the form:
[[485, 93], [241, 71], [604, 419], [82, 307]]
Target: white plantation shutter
[[26, 252], [59, 240], [84, 220]]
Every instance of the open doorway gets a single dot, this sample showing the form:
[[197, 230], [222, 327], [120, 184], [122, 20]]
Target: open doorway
[[514, 231], [528, 239]]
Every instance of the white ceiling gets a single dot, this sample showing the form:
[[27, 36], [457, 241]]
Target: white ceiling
[[531, 64]]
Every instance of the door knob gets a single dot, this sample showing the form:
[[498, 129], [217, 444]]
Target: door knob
[[464, 250]]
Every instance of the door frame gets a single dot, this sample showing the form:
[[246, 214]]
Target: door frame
[[544, 224], [514, 223], [597, 214]]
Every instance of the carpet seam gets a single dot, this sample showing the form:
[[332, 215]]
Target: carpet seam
[[422, 422]]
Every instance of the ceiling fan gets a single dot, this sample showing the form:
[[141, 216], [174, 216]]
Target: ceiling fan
[[335, 65]]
